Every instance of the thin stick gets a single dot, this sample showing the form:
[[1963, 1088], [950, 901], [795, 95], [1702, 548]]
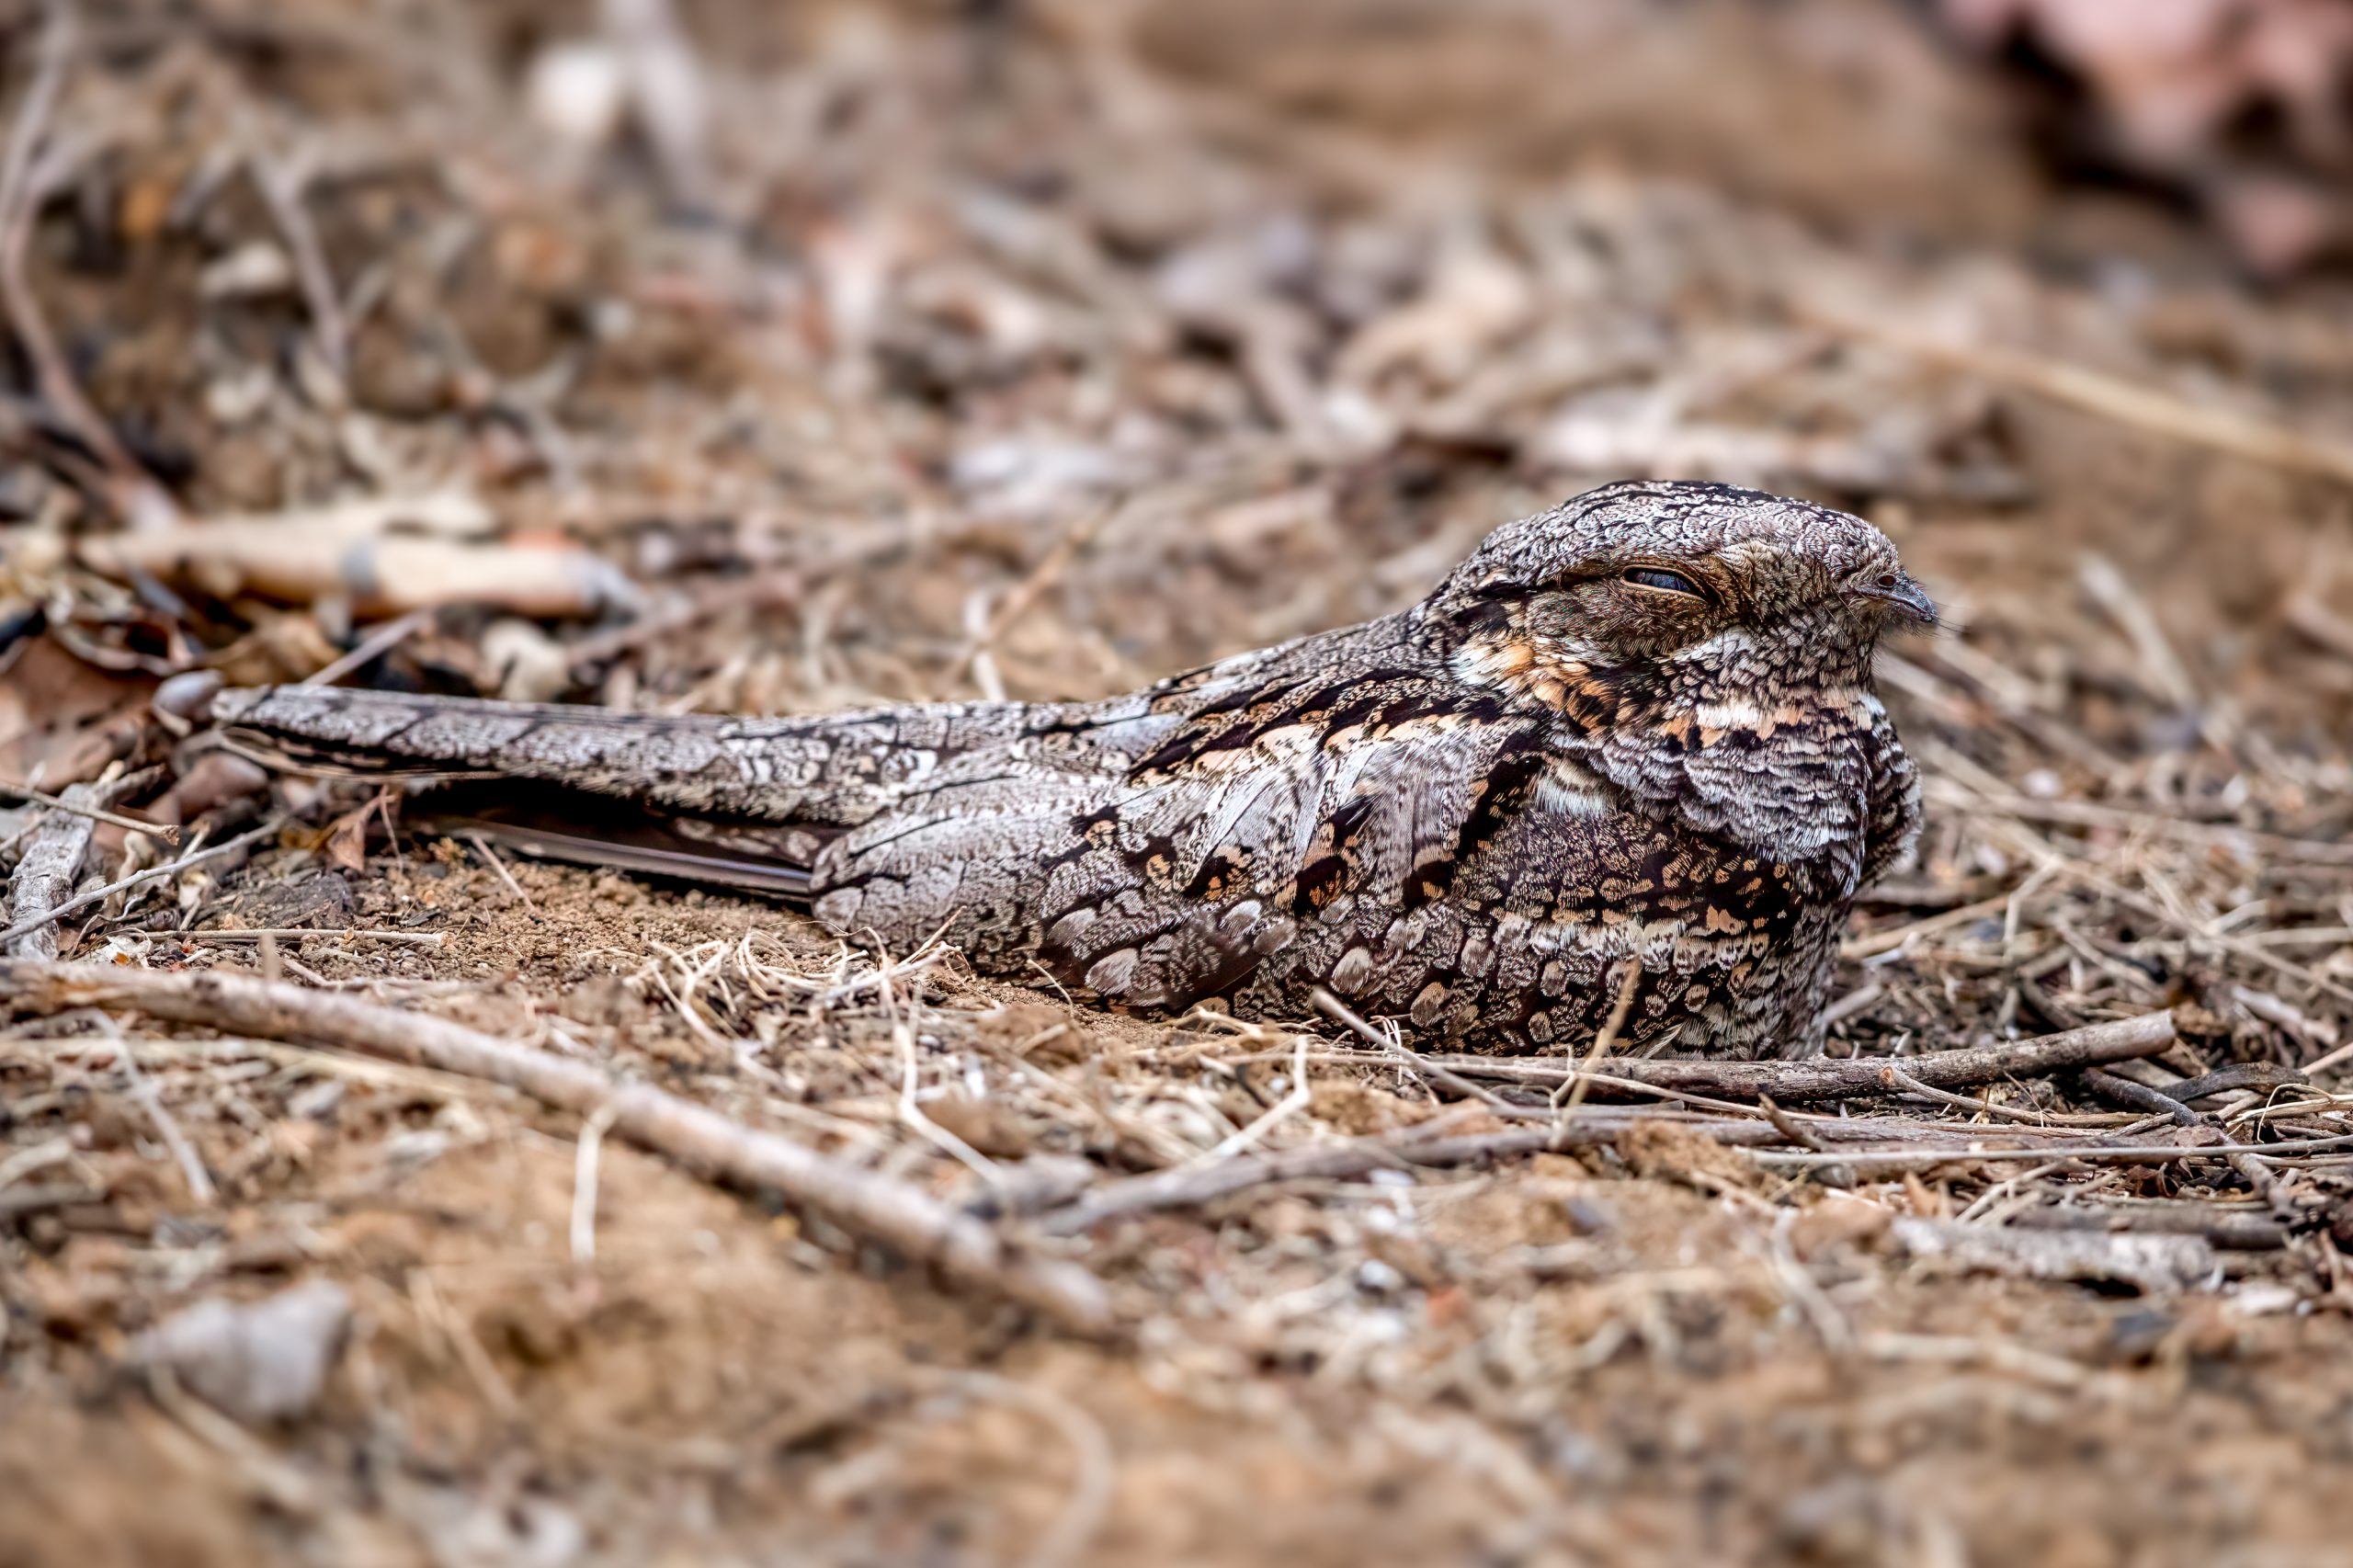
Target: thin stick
[[1873, 943], [1791, 1127], [2333, 1059], [2001, 1191], [433, 1309], [862, 1202], [2119, 1153], [199, 1181], [1190, 1185], [1963, 1102], [777, 588], [1450, 1071], [282, 188], [2086, 814], [1791, 1082], [481, 847], [584, 1186], [1393, 1047], [382, 641], [911, 1111], [1290, 1105], [136, 878], [1603, 1040], [2303, 935], [163, 830], [2196, 930], [1026, 591], [46, 875]]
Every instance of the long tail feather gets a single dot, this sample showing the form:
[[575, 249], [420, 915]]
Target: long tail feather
[[584, 830], [700, 797], [690, 761]]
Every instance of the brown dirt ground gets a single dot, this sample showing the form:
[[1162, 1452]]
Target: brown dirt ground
[[1556, 1361], [1652, 1354]]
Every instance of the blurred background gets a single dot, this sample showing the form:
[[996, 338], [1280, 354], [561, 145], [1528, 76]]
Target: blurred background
[[744, 356], [726, 355]]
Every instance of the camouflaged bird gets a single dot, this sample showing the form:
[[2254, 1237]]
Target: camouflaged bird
[[1640, 726]]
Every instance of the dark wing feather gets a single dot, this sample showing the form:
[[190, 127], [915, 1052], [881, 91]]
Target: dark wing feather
[[554, 823]]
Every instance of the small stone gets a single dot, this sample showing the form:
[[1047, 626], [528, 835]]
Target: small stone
[[251, 271], [1837, 1222], [189, 695], [258, 1361], [531, 665], [578, 91], [990, 1126]]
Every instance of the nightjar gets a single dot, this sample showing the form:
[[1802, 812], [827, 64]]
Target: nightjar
[[1635, 730]]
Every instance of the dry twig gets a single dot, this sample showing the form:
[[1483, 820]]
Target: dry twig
[[1190, 1185], [282, 185], [1421, 1066], [862, 1202], [1789, 1082], [2110, 1153], [1026, 591], [2246, 436], [100, 894], [302, 934], [382, 641], [79, 806], [45, 877], [1572, 1089]]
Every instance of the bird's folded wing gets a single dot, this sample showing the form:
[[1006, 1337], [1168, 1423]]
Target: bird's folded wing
[[1218, 857]]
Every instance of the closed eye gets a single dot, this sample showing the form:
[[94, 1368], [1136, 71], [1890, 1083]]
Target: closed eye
[[1667, 582]]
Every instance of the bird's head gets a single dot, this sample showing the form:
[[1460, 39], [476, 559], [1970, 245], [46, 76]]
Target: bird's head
[[1638, 599]]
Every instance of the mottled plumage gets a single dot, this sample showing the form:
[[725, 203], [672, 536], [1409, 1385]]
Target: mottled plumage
[[1639, 726]]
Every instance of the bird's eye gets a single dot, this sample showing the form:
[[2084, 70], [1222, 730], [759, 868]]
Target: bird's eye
[[1659, 577]]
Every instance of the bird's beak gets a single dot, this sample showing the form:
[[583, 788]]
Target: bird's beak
[[1903, 596]]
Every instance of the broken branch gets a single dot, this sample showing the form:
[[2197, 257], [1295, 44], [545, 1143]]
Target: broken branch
[[39, 919], [46, 875], [862, 1202], [1787, 1082]]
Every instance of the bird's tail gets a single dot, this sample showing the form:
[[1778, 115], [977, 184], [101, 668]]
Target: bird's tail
[[700, 796]]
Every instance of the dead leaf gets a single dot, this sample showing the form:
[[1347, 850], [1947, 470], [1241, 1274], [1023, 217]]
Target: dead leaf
[[346, 842], [63, 718]]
